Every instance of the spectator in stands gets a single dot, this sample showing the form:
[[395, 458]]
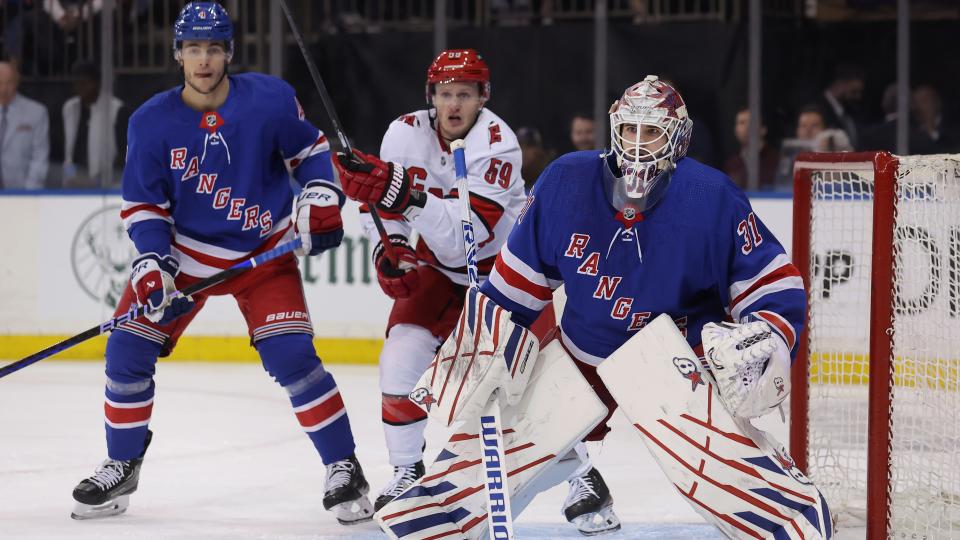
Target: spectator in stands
[[810, 123], [883, 136], [736, 165], [931, 135], [811, 135], [581, 132], [813, 131], [24, 135], [37, 37], [92, 156], [535, 156], [840, 100]]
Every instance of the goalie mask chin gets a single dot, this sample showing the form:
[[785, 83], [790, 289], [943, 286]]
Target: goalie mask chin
[[627, 190]]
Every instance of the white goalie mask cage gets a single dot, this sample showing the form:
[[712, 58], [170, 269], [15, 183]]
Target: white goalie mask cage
[[640, 169]]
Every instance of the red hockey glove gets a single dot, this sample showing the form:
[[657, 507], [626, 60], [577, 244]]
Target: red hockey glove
[[370, 180], [397, 282], [317, 219], [152, 282]]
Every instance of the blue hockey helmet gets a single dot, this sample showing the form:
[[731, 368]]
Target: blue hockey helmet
[[203, 21]]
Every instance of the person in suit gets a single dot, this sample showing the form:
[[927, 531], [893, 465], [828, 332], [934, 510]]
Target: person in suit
[[24, 135], [930, 134], [841, 98], [92, 155]]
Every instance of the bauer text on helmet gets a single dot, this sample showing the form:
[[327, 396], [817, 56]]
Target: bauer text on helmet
[[649, 132], [203, 21]]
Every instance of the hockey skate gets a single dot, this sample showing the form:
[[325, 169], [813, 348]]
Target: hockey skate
[[107, 492], [589, 505], [404, 476], [345, 492]]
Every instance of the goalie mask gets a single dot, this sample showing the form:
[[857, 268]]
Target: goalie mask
[[649, 133]]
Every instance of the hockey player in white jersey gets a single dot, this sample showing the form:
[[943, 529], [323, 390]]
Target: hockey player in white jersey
[[412, 186]]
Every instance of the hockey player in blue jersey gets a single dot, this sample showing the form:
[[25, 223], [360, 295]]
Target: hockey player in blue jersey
[[207, 184], [636, 232]]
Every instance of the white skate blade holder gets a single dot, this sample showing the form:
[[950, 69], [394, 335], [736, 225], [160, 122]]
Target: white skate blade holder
[[353, 512], [595, 523], [112, 507]]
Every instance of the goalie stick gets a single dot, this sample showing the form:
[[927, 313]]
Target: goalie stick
[[136, 311], [335, 120], [499, 516]]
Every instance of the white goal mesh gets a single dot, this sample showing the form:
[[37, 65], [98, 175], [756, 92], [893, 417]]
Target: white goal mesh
[[923, 405]]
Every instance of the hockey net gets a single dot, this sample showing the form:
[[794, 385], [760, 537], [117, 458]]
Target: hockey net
[[877, 427]]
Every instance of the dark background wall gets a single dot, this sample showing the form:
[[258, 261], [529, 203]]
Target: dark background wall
[[542, 74]]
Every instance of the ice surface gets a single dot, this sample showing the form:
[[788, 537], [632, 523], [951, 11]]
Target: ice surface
[[229, 461]]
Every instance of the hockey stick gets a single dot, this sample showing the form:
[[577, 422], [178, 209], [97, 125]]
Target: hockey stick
[[335, 120], [137, 311], [499, 515]]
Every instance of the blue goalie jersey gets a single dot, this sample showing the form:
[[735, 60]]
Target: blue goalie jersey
[[213, 187], [699, 255]]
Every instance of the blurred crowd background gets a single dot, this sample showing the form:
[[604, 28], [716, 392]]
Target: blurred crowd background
[[72, 72]]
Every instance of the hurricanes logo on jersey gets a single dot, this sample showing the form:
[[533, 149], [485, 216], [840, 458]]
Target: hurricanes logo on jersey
[[495, 136]]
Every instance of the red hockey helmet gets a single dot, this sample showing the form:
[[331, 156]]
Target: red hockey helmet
[[459, 65]]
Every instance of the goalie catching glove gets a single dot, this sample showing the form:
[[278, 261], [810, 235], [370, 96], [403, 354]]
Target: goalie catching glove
[[486, 351], [317, 220], [751, 365], [152, 280]]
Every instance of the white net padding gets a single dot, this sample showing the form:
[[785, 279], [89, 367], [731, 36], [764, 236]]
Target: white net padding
[[924, 403]]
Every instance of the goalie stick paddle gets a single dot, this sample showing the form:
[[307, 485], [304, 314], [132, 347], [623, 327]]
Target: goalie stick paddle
[[136, 311], [499, 515], [335, 120]]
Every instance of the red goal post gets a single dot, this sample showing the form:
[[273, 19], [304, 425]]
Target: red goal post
[[876, 238]]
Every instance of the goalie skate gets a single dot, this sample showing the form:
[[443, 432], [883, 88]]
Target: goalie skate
[[403, 477], [107, 492], [345, 492], [589, 506]]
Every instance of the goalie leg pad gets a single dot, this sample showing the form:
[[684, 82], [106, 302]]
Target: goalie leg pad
[[487, 351], [590, 374], [734, 475], [539, 433]]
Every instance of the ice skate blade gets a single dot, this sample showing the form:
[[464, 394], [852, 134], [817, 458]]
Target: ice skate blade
[[595, 523], [110, 508], [353, 512]]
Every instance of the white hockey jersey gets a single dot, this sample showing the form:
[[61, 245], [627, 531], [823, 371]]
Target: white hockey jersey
[[496, 189]]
